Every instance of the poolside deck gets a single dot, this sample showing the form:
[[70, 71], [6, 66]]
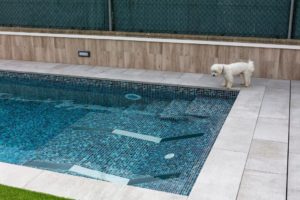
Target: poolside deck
[[256, 155]]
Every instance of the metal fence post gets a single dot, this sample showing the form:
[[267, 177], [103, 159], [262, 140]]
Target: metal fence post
[[291, 19], [110, 18]]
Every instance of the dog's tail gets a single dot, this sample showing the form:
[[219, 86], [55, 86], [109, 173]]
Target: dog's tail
[[251, 65]]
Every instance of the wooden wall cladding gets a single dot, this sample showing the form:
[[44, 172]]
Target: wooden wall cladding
[[196, 58]]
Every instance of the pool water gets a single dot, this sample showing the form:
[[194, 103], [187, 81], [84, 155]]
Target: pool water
[[150, 136]]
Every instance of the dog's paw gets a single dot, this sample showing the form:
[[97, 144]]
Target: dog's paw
[[228, 86], [248, 84]]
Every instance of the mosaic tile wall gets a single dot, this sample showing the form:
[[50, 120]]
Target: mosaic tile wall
[[150, 136]]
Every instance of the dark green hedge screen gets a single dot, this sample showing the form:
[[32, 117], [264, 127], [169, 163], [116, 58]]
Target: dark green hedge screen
[[258, 18]]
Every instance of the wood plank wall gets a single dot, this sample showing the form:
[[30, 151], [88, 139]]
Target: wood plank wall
[[270, 63]]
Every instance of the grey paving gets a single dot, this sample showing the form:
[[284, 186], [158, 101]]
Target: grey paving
[[248, 103], [222, 184], [12, 176], [268, 156], [294, 177], [272, 129], [262, 186], [294, 150], [276, 103], [236, 135], [295, 118], [266, 166]]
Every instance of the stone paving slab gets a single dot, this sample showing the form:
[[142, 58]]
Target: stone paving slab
[[216, 184], [275, 104], [294, 177], [294, 150], [236, 134], [262, 186], [268, 156], [272, 129], [11, 175]]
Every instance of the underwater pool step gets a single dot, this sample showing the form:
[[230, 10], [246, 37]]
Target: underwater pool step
[[138, 112], [156, 140], [117, 179], [48, 165], [181, 137], [90, 129], [137, 136], [70, 105], [175, 110], [156, 107], [151, 109], [146, 179], [181, 110], [199, 107], [99, 175]]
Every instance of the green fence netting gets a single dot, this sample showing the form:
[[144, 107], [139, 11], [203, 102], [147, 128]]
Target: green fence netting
[[296, 25], [259, 18], [263, 18], [77, 14]]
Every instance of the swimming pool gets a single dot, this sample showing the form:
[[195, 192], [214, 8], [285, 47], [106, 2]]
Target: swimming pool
[[150, 136]]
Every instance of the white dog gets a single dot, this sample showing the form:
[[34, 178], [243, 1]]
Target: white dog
[[229, 71]]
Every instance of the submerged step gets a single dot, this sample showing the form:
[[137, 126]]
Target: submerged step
[[184, 110], [48, 165], [120, 180], [175, 110], [206, 107], [99, 175], [147, 179], [181, 137], [70, 105], [152, 138], [156, 107], [137, 136], [90, 129]]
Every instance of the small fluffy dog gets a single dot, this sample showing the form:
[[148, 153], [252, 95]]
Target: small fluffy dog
[[229, 71]]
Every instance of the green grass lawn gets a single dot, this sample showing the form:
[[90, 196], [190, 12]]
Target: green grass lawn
[[10, 193]]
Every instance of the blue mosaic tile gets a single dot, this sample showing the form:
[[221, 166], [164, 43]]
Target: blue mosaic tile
[[55, 122]]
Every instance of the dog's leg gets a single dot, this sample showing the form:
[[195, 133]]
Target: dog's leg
[[229, 85], [229, 78], [247, 77], [243, 79], [224, 84]]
